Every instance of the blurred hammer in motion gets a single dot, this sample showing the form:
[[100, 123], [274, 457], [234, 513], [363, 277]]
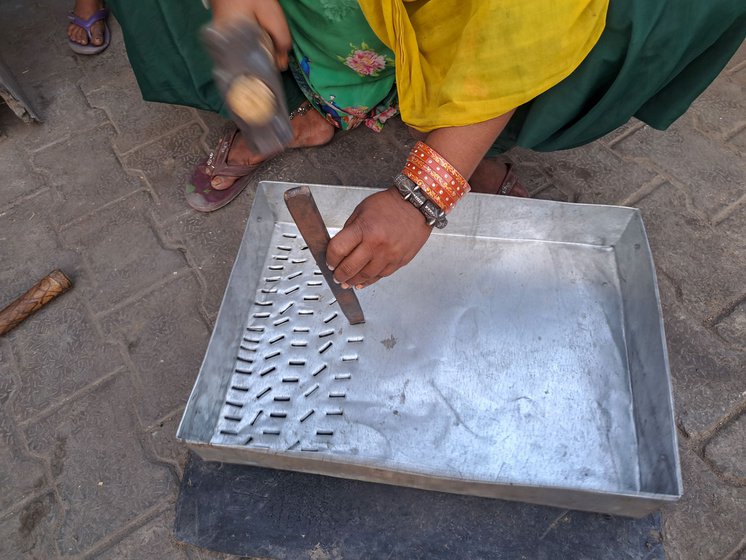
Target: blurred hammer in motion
[[40, 294], [247, 77]]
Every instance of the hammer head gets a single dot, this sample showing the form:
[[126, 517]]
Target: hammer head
[[250, 83]]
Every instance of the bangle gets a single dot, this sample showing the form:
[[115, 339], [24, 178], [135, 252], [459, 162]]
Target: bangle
[[434, 216], [435, 176]]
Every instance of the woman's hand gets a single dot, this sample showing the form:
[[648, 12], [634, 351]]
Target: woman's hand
[[267, 13], [383, 234]]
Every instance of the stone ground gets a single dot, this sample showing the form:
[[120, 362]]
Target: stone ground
[[92, 388]]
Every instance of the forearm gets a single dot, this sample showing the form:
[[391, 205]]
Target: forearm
[[465, 146]]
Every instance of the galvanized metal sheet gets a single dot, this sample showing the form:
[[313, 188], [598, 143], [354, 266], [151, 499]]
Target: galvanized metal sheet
[[489, 362]]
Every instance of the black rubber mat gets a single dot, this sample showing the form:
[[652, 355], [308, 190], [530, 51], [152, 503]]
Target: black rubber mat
[[257, 512]]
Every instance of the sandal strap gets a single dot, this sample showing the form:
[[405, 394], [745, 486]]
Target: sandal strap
[[217, 163], [509, 182], [87, 24]]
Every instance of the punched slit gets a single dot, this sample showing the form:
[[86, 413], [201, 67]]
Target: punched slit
[[298, 261], [241, 389], [256, 417], [309, 449], [349, 358], [301, 329], [343, 376], [297, 362], [264, 392], [231, 403], [337, 395], [278, 414], [272, 355], [247, 348], [353, 339], [311, 298], [245, 360], [332, 301], [232, 418], [261, 315], [290, 379], [312, 390], [264, 303], [281, 321], [282, 399], [291, 290], [284, 247], [324, 432], [273, 278], [286, 307], [307, 415], [314, 283], [280, 257], [228, 433], [331, 317], [276, 267], [243, 371], [299, 343], [305, 312], [267, 371], [269, 290], [295, 275], [319, 369], [278, 338], [334, 413], [255, 328], [327, 332], [252, 340], [271, 432], [290, 235], [317, 272], [325, 347]]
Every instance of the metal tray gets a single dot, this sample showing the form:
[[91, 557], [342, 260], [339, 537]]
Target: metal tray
[[521, 355]]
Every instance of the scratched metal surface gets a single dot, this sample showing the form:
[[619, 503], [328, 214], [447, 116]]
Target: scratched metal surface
[[491, 361]]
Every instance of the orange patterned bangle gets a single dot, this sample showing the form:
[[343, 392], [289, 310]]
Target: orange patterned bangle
[[437, 178]]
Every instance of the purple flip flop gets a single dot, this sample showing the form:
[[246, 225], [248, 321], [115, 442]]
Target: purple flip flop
[[87, 24]]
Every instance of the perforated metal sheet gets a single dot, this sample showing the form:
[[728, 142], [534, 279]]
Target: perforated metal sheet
[[296, 359]]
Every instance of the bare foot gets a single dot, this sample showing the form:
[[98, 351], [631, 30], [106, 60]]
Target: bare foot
[[488, 177], [85, 9], [309, 129]]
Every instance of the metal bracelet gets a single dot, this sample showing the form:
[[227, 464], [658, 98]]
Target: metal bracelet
[[434, 216]]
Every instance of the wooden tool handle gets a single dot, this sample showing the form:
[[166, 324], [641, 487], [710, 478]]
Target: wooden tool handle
[[44, 291]]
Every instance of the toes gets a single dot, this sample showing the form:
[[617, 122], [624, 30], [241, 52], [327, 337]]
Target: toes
[[222, 183], [97, 31]]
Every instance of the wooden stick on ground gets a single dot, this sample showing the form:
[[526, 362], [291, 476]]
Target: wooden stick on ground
[[41, 293]]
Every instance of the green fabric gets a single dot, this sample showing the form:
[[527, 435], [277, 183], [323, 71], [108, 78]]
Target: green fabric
[[653, 59], [341, 66]]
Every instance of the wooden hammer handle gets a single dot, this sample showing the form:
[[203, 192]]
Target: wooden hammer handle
[[44, 291]]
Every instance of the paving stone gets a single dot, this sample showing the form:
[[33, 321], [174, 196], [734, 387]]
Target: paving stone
[[81, 186], [704, 260], [137, 122], [596, 174], [59, 352], [708, 378], [166, 338], [102, 475], [28, 533], [151, 541], [709, 521], [162, 438], [167, 164], [728, 449], [20, 476], [714, 177], [721, 108], [18, 179], [733, 327], [122, 252], [29, 248]]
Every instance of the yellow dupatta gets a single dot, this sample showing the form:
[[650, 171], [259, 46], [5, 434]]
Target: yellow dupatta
[[460, 62]]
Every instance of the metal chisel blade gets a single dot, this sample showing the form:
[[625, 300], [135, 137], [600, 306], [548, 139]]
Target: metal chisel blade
[[304, 211]]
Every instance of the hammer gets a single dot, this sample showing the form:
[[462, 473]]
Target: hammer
[[41, 293], [250, 83]]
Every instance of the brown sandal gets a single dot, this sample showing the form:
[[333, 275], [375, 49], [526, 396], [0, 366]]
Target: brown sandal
[[511, 185], [200, 194]]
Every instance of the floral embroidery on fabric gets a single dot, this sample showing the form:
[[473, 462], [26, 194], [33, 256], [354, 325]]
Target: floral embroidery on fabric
[[366, 62]]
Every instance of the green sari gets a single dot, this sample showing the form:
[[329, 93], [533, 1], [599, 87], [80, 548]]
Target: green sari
[[652, 60]]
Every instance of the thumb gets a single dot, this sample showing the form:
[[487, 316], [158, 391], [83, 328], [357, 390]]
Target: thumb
[[343, 243]]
